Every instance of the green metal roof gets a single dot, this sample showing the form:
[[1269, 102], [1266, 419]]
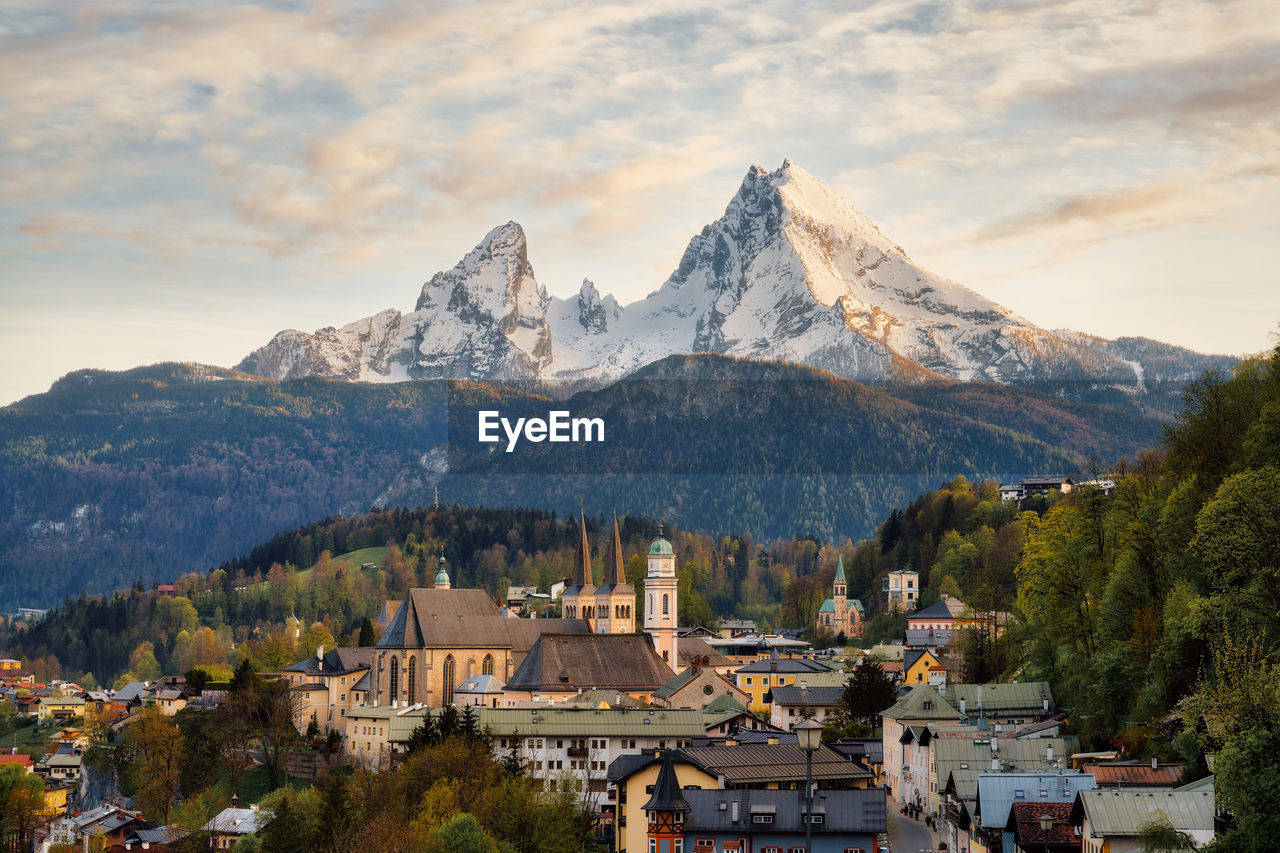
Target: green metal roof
[[840, 569], [556, 721], [828, 606]]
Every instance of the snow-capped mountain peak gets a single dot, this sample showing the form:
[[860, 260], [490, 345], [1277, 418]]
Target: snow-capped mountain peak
[[791, 271]]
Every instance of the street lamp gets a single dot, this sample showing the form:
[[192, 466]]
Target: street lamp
[[809, 733], [1046, 824]]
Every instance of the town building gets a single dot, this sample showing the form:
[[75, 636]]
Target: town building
[[562, 665], [759, 678], [231, 824], [327, 686], [1110, 820], [798, 702], [728, 770], [997, 794], [696, 687], [901, 589]]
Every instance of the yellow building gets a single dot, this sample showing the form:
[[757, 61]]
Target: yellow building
[[768, 766], [920, 665], [759, 678]]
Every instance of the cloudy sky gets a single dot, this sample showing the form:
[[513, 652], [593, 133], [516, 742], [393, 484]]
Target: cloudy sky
[[179, 181]]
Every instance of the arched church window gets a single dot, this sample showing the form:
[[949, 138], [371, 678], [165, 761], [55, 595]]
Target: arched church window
[[395, 679], [666, 604], [447, 677], [486, 667]]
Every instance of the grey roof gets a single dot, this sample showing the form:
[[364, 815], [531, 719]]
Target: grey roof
[[747, 764], [130, 692], [1113, 812], [160, 835], [872, 749], [566, 721], [1024, 697], [238, 821], [559, 662], [338, 661], [928, 636], [691, 647], [456, 618], [479, 683], [818, 697], [959, 761], [922, 703], [997, 792], [859, 810], [362, 684], [787, 666], [945, 607]]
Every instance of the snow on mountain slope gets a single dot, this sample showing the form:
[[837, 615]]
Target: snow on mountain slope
[[791, 271]]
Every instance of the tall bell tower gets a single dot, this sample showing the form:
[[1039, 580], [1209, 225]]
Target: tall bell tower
[[660, 609]]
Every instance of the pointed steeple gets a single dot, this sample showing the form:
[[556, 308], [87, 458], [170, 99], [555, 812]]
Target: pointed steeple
[[615, 574], [840, 569], [582, 568], [666, 790]]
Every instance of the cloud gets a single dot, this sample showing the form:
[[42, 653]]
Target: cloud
[[1097, 209]]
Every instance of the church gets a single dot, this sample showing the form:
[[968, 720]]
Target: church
[[440, 636], [840, 614]]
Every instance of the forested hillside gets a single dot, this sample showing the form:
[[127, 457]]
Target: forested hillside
[[156, 472], [245, 608]]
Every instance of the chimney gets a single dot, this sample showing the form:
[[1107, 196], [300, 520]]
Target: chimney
[[734, 811], [320, 653], [1155, 764], [995, 763], [961, 704], [1048, 754], [1044, 700]]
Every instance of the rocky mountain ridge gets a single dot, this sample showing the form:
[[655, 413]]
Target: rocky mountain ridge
[[790, 272]]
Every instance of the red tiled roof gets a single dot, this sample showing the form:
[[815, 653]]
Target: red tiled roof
[[19, 759], [1112, 775], [1027, 817]]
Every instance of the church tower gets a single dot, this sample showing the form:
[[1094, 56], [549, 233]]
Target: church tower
[[442, 576], [839, 592], [660, 619], [615, 598], [579, 598]]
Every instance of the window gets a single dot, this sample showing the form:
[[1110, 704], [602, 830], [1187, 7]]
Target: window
[[447, 677], [677, 845], [853, 850], [762, 818], [764, 681], [815, 818], [395, 679], [486, 668], [413, 678], [770, 850], [796, 850], [653, 845], [666, 604]]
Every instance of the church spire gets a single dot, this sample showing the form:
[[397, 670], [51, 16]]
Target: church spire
[[582, 569], [840, 569]]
